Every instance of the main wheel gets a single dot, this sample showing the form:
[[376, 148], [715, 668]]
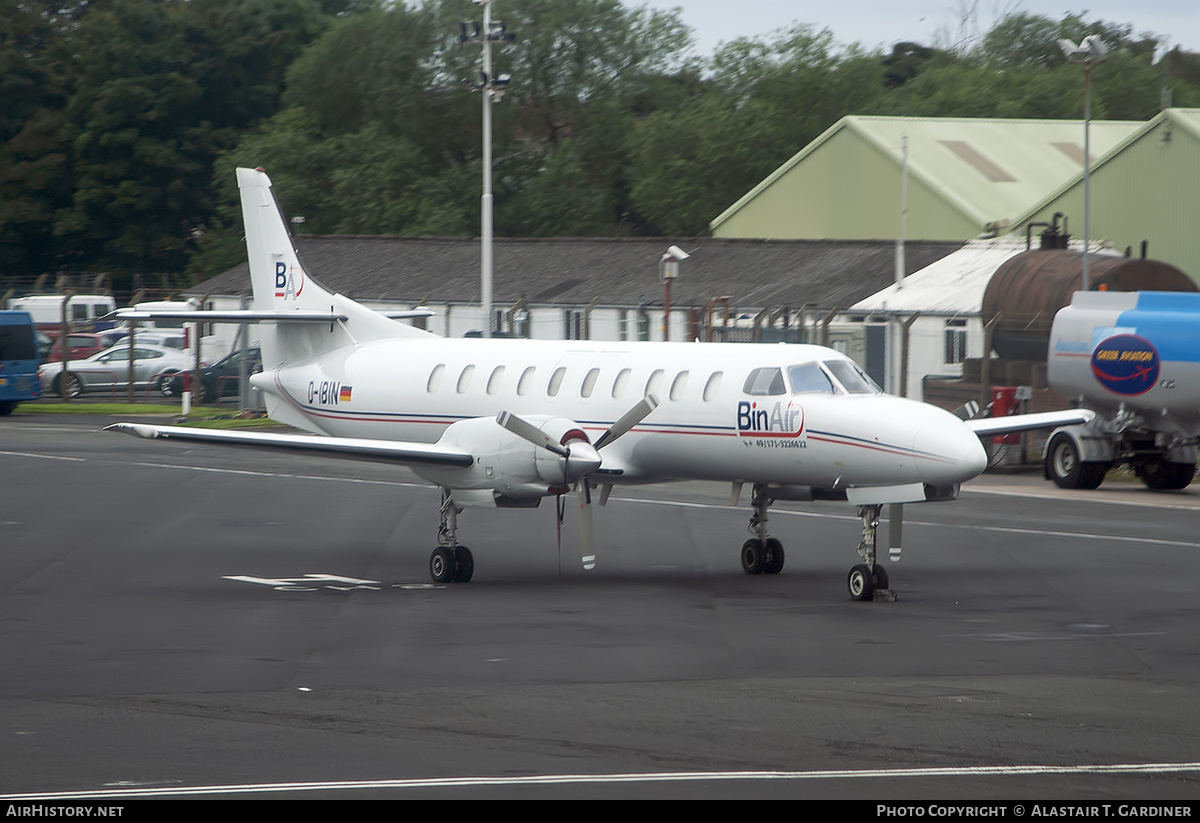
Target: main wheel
[[1163, 475], [1064, 467], [881, 577], [464, 565], [754, 557], [442, 565], [774, 562], [861, 582]]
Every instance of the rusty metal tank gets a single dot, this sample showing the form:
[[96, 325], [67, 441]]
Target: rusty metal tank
[[1027, 290]]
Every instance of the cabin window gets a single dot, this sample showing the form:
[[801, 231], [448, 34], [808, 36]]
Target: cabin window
[[464, 379], [620, 383], [956, 341], [556, 381], [493, 384], [808, 378], [435, 378], [678, 385], [654, 383], [589, 383], [712, 387], [765, 381], [526, 381]]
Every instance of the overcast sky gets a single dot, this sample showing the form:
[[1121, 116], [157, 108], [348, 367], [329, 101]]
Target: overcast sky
[[875, 23]]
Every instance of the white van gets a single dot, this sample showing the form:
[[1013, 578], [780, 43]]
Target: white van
[[83, 311]]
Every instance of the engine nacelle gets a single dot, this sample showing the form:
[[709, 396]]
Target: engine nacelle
[[509, 470]]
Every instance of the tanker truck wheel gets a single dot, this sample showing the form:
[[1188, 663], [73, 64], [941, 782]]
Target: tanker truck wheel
[[1064, 467], [1163, 475]]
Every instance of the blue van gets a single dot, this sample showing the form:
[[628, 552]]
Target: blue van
[[18, 360]]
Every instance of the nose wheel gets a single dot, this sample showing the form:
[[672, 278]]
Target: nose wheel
[[868, 580]]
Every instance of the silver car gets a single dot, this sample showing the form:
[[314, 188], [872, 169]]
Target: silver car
[[109, 370]]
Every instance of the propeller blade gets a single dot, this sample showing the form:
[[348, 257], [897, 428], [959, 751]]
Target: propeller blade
[[967, 410], [528, 431], [587, 535], [628, 420]]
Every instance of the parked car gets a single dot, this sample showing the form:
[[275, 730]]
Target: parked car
[[80, 346], [109, 370], [167, 339], [221, 379]]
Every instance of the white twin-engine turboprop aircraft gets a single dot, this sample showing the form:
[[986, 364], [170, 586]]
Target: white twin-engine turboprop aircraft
[[508, 422]]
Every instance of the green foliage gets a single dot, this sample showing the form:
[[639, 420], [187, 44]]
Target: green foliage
[[121, 121]]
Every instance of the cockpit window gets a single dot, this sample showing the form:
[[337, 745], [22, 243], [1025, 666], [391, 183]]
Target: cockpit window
[[808, 378], [765, 381], [853, 379]]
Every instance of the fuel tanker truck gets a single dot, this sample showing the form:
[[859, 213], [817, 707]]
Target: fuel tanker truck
[[1129, 349], [1133, 358]]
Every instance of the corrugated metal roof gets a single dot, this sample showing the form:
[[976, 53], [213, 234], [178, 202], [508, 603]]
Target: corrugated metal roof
[[987, 168], [954, 285], [611, 271]]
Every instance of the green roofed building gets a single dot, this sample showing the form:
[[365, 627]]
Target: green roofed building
[[966, 178], [1144, 189]]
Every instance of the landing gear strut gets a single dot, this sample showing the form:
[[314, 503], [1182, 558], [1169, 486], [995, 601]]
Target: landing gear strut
[[450, 562], [867, 577], [761, 554]]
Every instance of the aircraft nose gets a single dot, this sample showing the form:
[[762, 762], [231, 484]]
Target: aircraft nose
[[951, 453]]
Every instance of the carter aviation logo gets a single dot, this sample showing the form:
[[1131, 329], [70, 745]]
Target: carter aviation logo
[[1126, 364]]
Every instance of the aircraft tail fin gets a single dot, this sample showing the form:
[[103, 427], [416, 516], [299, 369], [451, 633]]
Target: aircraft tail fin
[[281, 284]]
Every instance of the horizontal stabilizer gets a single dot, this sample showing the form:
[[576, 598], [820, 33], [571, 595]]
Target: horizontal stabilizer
[[423, 454], [251, 316], [987, 426]]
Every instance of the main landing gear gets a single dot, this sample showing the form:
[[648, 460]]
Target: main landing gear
[[867, 578], [761, 554], [450, 562]]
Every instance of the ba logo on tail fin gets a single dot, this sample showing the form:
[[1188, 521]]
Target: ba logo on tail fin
[[285, 281]]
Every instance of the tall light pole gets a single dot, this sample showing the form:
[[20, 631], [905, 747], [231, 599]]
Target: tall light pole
[[1089, 50], [492, 89]]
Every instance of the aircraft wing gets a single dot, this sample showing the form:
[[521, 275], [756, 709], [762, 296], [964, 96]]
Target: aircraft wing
[[987, 426], [427, 454]]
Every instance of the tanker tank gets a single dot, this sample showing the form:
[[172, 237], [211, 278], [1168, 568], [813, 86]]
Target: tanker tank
[[1027, 289]]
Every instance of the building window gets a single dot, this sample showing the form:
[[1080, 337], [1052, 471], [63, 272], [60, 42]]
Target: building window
[[643, 325], [573, 324], [622, 325], [956, 341]]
